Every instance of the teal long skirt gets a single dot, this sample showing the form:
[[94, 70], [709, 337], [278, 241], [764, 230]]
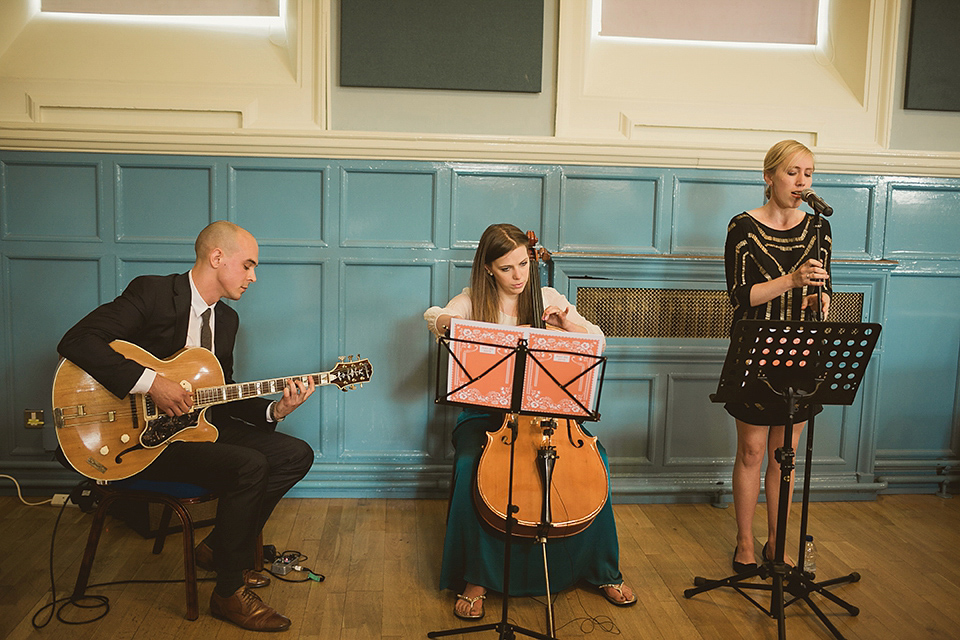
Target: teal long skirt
[[473, 551]]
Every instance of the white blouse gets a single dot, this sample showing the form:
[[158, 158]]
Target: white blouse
[[461, 306]]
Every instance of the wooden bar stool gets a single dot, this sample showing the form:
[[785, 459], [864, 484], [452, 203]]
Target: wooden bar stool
[[175, 498]]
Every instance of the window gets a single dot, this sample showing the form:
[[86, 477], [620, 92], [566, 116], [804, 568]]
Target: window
[[741, 21], [262, 8]]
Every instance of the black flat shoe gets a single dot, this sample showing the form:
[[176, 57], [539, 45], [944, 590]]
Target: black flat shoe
[[764, 554], [742, 567]]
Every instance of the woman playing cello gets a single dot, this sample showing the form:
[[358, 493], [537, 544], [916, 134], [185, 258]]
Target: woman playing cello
[[473, 551]]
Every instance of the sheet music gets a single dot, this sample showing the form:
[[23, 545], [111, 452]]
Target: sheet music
[[565, 355]]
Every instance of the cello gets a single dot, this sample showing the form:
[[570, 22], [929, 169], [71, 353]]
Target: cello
[[560, 483]]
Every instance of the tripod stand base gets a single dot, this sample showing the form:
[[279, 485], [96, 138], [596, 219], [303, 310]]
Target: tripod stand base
[[506, 630], [790, 585]]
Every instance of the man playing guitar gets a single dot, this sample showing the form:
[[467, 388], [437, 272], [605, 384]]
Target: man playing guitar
[[250, 465]]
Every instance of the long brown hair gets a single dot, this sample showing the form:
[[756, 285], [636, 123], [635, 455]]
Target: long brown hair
[[497, 241]]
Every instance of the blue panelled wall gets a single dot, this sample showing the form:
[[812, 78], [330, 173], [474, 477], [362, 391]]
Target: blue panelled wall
[[352, 252]]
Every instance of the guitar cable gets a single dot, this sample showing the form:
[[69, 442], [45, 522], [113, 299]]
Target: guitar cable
[[57, 606], [20, 494]]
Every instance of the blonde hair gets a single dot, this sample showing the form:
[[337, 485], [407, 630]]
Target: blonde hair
[[497, 241], [778, 155]]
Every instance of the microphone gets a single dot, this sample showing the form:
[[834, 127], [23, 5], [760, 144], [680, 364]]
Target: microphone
[[812, 199]]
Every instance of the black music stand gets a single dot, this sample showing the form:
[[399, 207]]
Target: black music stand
[[799, 364], [521, 356]]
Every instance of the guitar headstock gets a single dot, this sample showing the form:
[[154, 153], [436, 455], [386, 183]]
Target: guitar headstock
[[350, 373]]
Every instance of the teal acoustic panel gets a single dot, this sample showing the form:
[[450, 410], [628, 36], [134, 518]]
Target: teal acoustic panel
[[163, 203], [917, 396], [853, 221], [830, 443], [608, 213], [703, 207], [387, 208], [480, 200], [700, 432], [626, 423], [282, 335], [384, 303], [460, 279], [279, 204], [923, 221], [50, 200], [130, 269], [40, 316]]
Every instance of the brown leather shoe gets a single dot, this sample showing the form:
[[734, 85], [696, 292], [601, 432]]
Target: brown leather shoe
[[246, 610], [203, 556], [254, 580]]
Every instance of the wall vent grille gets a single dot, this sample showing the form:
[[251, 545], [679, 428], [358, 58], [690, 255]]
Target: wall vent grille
[[627, 312]]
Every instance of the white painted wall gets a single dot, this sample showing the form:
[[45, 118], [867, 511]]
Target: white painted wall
[[121, 86]]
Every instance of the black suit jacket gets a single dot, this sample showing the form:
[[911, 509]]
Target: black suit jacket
[[152, 312]]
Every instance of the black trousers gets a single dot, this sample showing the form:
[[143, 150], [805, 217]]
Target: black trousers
[[250, 468]]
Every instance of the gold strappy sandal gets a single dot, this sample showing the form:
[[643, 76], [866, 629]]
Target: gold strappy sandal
[[472, 602]]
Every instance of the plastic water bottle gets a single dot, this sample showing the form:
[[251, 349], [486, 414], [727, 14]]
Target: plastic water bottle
[[810, 556]]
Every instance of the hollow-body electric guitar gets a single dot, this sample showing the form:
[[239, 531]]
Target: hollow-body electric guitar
[[109, 438]]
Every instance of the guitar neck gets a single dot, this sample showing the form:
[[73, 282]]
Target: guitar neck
[[209, 396]]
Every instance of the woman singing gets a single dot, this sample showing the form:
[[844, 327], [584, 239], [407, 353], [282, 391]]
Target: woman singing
[[473, 552], [773, 273]]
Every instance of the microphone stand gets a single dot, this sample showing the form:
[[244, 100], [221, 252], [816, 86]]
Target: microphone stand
[[817, 315], [820, 209]]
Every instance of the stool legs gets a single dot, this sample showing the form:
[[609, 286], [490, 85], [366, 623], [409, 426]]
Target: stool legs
[[90, 551], [171, 505]]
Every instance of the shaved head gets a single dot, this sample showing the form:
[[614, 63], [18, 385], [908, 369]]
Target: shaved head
[[221, 235], [227, 257]]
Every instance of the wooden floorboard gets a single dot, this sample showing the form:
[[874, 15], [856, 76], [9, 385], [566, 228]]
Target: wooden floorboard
[[381, 562]]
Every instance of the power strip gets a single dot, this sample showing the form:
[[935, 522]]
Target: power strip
[[60, 499]]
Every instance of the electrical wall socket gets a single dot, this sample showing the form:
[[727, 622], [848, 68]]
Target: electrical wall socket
[[33, 418]]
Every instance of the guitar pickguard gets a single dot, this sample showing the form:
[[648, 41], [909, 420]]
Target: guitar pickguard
[[161, 429]]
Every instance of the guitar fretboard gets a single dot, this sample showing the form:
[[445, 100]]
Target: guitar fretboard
[[228, 393]]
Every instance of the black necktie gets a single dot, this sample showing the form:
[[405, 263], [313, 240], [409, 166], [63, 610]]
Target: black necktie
[[206, 336]]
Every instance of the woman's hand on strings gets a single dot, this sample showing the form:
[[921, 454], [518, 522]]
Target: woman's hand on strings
[[556, 317]]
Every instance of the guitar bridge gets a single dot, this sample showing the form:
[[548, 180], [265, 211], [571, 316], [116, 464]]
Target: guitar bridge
[[62, 414]]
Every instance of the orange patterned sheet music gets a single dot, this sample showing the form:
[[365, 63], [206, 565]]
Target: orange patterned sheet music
[[477, 347]]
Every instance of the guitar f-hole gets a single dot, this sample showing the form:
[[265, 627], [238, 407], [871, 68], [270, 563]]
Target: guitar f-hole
[[120, 455]]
